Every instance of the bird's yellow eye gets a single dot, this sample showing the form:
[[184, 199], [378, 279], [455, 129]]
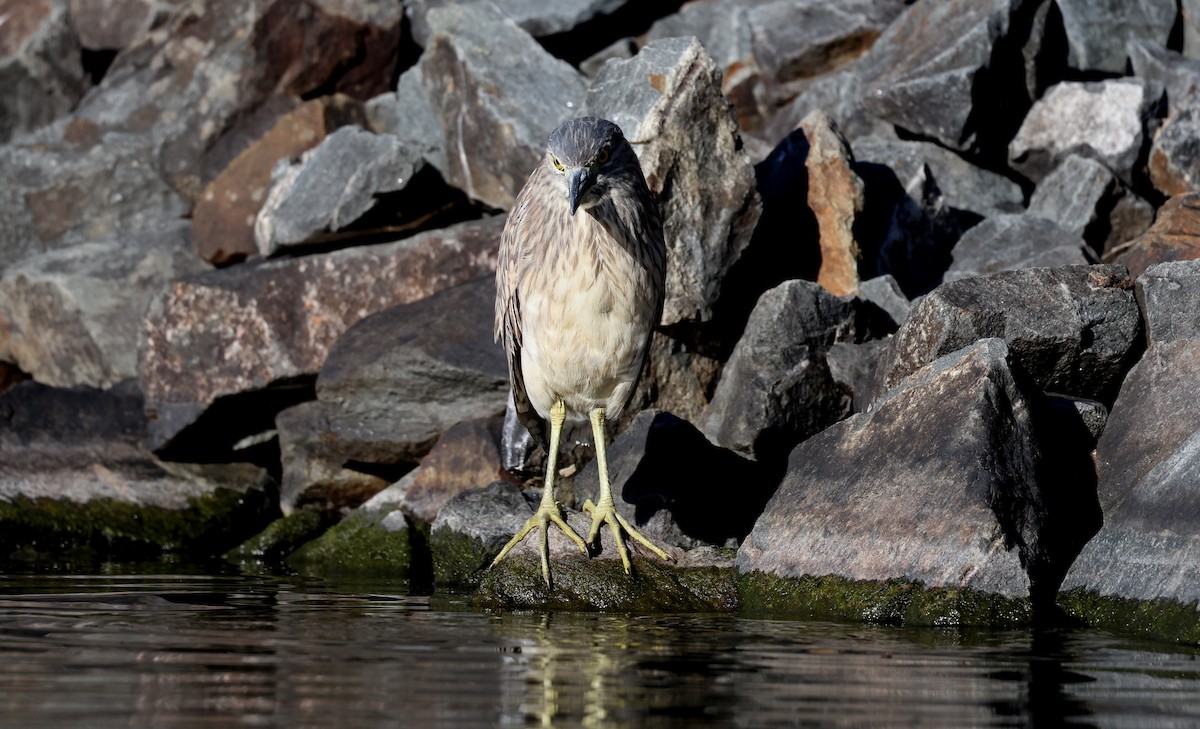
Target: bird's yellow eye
[[557, 165], [601, 156]]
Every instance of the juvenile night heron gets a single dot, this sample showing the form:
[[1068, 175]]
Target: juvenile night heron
[[579, 290]]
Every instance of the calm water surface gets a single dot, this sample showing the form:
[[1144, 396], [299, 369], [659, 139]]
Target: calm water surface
[[222, 651]]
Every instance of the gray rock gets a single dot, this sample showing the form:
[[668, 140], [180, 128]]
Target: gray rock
[[963, 185], [839, 94], [1175, 154], [267, 326], [1012, 242], [315, 472], [331, 186], [399, 378], [1088, 201], [853, 365], [776, 389], [508, 95], [1104, 120], [408, 115], [39, 66], [1169, 295], [1190, 15], [1149, 463], [620, 50], [1097, 31], [674, 485], [884, 292], [1179, 75], [110, 25], [472, 527], [73, 316], [539, 19], [1075, 330], [938, 483], [668, 102], [923, 71]]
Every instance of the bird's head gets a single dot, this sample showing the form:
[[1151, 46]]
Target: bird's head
[[587, 154]]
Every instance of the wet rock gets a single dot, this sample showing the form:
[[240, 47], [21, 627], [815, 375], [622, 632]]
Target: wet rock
[[1012, 242], [1087, 200], [938, 483], [281, 538], [261, 325], [314, 471], [1175, 156], [922, 72], [674, 485], [224, 214], [76, 475], [835, 196], [465, 457], [1097, 32], [509, 94], [398, 379], [1173, 237], [1104, 120], [1076, 330], [376, 544], [963, 185], [331, 187], [1169, 296], [776, 389], [111, 25], [39, 65], [73, 316], [473, 526], [668, 102], [1148, 548]]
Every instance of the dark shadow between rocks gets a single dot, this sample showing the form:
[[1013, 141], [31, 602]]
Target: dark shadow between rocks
[[586, 39]]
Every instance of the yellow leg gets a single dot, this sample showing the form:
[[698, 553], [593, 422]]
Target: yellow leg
[[548, 510], [605, 511]]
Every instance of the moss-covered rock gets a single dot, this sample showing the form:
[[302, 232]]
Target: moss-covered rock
[[459, 559], [283, 536], [364, 544], [601, 584], [1160, 619], [892, 602]]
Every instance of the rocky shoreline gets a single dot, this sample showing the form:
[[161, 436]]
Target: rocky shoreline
[[928, 355]]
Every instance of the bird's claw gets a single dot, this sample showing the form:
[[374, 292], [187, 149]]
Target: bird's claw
[[541, 520], [606, 512]]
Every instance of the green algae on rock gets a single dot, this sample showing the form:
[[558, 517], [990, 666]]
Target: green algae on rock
[[283, 536], [364, 544], [1161, 618]]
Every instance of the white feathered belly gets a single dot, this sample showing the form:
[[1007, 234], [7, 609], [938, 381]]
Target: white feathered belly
[[582, 334]]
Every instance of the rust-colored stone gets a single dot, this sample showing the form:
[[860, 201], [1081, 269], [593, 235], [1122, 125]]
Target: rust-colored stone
[[835, 195], [1175, 236], [467, 456]]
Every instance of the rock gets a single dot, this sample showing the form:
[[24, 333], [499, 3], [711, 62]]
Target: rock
[[923, 72], [852, 367], [1088, 201], [466, 457], [1104, 120], [1012, 242], [679, 500], [111, 25], [471, 529], [223, 218], [1173, 237], [835, 196], [963, 185], [271, 324], [1148, 548], [73, 316], [1076, 330], [536, 18], [1097, 32], [838, 94], [620, 50], [1180, 76], [408, 115], [1169, 296], [315, 472], [1175, 156], [39, 65], [76, 476], [1190, 17], [776, 389], [884, 292], [398, 379], [365, 544], [508, 95], [331, 187], [281, 538], [667, 100], [938, 483]]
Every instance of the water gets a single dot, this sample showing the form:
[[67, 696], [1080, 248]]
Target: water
[[228, 651]]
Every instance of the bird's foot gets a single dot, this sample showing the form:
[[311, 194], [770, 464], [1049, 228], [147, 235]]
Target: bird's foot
[[606, 513], [541, 519]]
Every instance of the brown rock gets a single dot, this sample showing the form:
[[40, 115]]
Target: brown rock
[[241, 329], [314, 473], [223, 219], [1174, 162], [1175, 236], [835, 195]]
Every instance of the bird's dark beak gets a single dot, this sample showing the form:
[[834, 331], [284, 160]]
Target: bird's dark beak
[[579, 181]]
